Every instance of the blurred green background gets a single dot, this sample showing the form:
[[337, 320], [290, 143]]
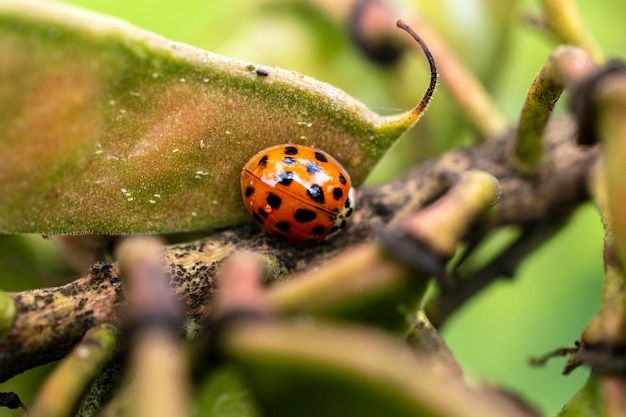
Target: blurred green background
[[558, 289]]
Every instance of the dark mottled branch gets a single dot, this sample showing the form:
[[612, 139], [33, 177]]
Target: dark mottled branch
[[51, 321]]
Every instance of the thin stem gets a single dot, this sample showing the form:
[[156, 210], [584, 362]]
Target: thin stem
[[156, 317], [611, 124], [442, 224], [62, 391], [468, 93], [563, 68], [466, 90], [423, 104], [604, 339], [361, 283], [566, 22], [403, 121]]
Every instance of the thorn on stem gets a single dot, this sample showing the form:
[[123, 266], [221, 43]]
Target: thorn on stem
[[431, 62], [572, 363]]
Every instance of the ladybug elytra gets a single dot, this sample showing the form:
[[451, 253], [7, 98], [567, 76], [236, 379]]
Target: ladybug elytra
[[297, 193]]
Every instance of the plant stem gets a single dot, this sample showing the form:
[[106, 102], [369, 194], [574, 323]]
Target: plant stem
[[567, 24], [611, 124], [565, 66], [468, 93], [61, 392]]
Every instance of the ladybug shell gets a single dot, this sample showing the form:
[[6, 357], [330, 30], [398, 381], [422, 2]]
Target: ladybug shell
[[297, 193]]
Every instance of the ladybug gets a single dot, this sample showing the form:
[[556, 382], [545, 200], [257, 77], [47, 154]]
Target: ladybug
[[297, 193]]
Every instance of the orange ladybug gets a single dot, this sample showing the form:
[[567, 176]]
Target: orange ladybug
[[297, 193]]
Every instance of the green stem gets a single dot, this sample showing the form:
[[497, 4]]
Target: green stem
[[611, 124], [605, 337], [568, 25], [563, 68], [442, 224], [62, 391]]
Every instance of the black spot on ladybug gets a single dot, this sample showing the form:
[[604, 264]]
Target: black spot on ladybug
[[249, 191], [347, 203], [284, 178], [342, 179], [312, 168], [263, 161], [333, 230], [288, 160], [273, 200], [257, 218], [291, 150], [321, 157], [337, 193], [318, 230], [304, 215], [283, 226], [343, 224], [261, 72], [316, 193], [262, 213], [349, 213]]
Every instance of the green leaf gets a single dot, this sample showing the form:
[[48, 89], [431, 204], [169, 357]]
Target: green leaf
[[223, 394], [588, 402], [110, 129], [309, 369]]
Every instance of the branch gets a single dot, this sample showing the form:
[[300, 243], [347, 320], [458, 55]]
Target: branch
[[49, 322]]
